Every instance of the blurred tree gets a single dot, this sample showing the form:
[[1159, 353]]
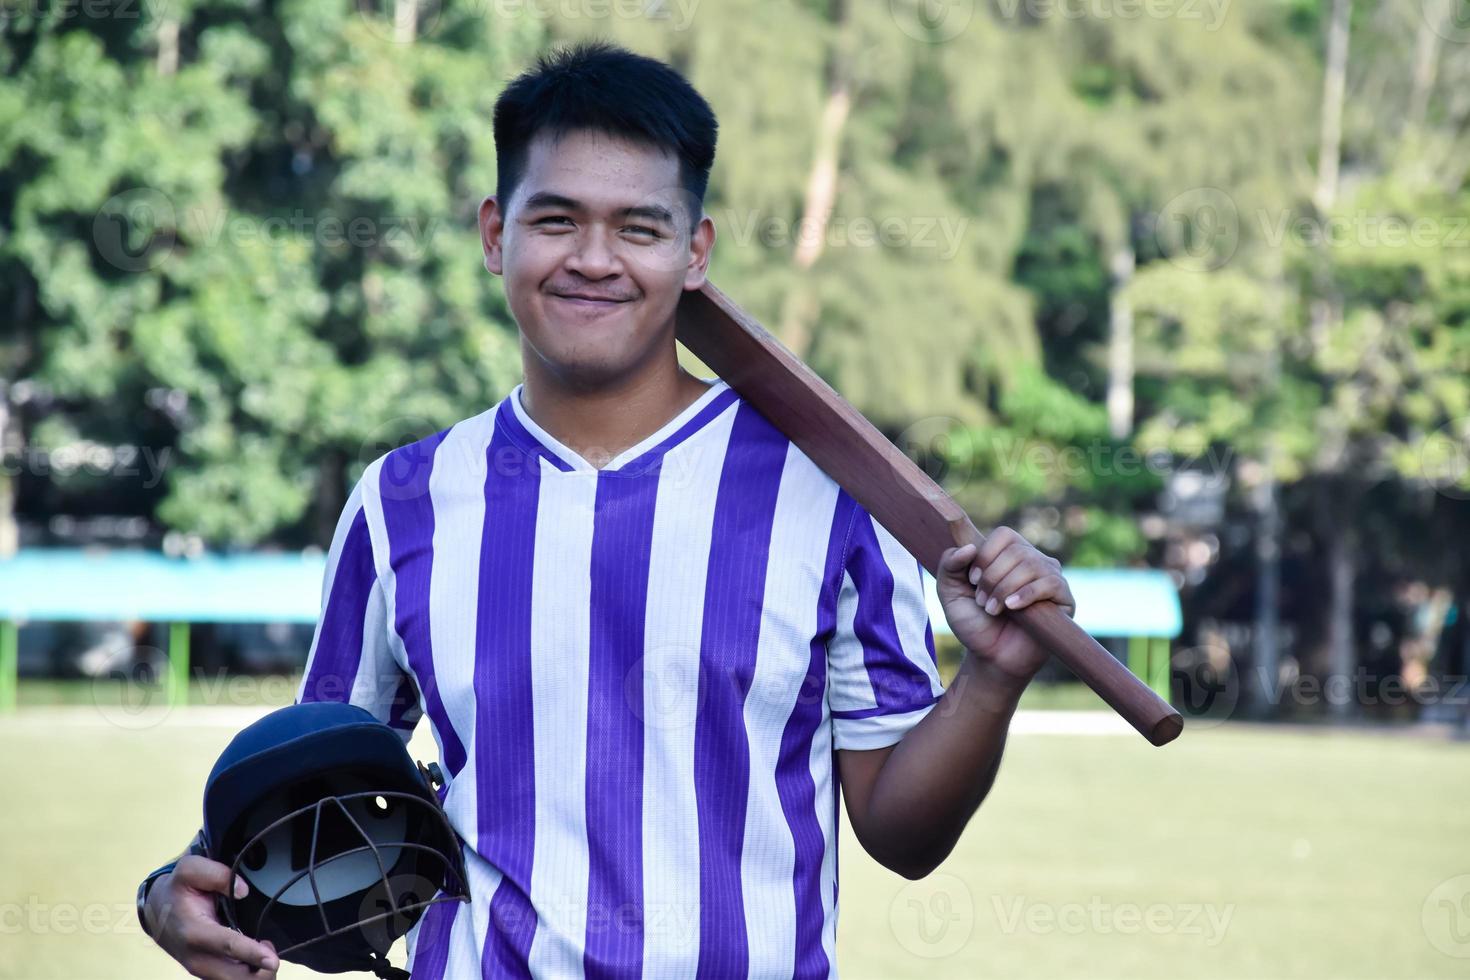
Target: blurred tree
[[1057, 254], [278, 229]]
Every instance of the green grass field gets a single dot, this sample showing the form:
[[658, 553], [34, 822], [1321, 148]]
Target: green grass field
[[1236, 852]]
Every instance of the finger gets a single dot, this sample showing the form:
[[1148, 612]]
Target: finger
[[1025, 573], [202, 874], [1052, 587], [210, 939], [264, 973], [215, 968], [1003, 564], [997, 541], [956, 560]]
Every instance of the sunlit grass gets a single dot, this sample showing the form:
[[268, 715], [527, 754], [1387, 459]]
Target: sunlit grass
[[1235, 852]]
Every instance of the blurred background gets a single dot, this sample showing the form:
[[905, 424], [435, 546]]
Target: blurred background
[[1178, 288]]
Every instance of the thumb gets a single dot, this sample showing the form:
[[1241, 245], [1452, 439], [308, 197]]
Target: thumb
[[955, 569], [202, 874]]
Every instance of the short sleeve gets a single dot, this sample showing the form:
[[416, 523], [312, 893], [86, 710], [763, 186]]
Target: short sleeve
[[351, 657], [882, 674]]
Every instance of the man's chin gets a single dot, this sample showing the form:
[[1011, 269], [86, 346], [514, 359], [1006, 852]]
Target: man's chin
[[587, 371]]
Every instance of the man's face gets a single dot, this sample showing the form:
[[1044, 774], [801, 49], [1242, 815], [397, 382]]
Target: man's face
[[596, 249]]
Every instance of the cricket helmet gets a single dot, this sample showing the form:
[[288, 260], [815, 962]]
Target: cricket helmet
[[340, 836]]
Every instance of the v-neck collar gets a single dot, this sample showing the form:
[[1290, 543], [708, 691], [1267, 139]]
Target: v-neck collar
[[631, 461]]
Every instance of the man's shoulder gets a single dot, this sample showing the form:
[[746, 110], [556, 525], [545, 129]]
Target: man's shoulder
[[799, 469], [409, 465]]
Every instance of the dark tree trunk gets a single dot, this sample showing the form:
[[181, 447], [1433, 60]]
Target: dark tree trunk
[[331, 495]]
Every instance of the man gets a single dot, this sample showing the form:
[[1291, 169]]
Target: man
[[642, 624]]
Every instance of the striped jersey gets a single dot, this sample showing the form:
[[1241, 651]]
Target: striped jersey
[[636, 676]]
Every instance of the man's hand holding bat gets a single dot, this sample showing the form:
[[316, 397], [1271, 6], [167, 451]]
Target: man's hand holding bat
[[913, 810], [1017, 575]]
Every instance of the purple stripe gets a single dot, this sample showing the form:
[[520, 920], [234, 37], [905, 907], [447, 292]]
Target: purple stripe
[[505, 773], [857, 713], [431, 947], [508, 422], [898, 683], [928, 626], [339, 640], [654, 456], [745, 506], [836, 823], [846, 513], [622, 539], [408, 513], [402, 713], [794, 784]]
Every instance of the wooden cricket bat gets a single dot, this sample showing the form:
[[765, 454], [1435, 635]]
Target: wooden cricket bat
[[892, 487]]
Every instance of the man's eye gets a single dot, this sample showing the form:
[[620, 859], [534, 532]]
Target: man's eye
[[643, 231], [554, 220]]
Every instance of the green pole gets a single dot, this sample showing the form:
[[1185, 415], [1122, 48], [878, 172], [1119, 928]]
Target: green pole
[[1158, 663], [178, 664], [9, 663], [1138, 657]]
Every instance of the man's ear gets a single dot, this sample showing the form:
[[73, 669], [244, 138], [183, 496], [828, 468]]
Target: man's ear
[[701, 247], [492, 234]]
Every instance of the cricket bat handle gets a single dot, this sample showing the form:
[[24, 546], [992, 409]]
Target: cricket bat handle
[[894, 490], [1055, 631]]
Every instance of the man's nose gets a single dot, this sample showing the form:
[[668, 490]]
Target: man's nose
[[594, 257]]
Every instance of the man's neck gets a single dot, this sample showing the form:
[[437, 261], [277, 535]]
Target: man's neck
[[598, 424]]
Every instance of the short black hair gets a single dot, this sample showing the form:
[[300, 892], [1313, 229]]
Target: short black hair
[[601, 87]]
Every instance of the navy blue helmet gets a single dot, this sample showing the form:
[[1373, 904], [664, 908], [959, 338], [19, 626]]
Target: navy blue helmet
[[338, 833]]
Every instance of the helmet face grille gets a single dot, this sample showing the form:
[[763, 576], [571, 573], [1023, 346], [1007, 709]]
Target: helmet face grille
[[273, 862], [359, 863]]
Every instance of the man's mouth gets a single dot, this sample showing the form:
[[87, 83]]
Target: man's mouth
[[590, 299]]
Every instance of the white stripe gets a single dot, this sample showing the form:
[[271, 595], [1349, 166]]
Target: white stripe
[[677, 565], [848, 686], [372, 508], [464, 962], [376, 681], [794, 572], [910, 612], [561, 569], [876, 731], [457, 494], [822, 776], [411, 940], [464, 951], [378, 529]]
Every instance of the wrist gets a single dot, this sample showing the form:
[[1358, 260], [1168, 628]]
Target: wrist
[[148, 900], [147, 907], [1002, 687]]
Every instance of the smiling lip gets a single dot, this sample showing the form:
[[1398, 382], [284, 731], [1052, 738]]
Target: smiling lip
[[584, 298]]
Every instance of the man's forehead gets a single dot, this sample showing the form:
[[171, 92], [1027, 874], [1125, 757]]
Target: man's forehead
[[599, 169], [551, 144]]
